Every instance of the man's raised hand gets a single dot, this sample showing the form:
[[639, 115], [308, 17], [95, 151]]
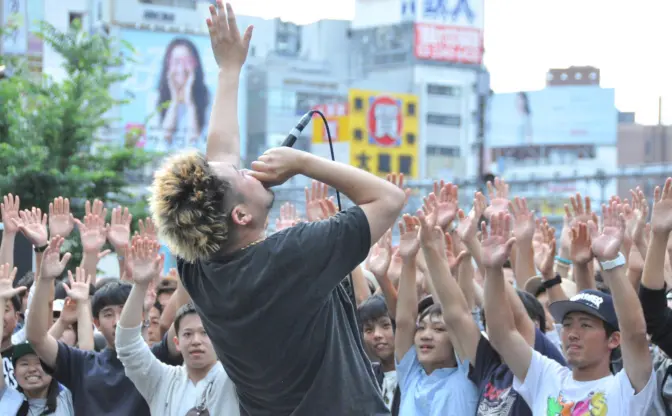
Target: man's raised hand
[[7, 275], [78, 290], [52, 263], [61, 221], [229, 47], [146, 261], [497, 243]]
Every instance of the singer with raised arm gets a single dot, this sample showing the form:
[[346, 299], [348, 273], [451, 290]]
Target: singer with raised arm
[[273, 307]]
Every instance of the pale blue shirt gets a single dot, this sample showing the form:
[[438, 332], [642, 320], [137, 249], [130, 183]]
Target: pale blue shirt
[[447, 391]]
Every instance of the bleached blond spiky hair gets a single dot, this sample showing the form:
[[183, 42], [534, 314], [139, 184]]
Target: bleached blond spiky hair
[[188, 205]]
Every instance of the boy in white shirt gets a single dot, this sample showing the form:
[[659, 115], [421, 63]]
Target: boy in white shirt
[[201, 383], [593, 326]]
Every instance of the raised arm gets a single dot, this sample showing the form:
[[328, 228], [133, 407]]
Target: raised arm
[[634, 345], [504, 336], [38, 324], [380, 200], [465, 334], [407, 303], [230, 49], [7, 292], [9, 209]]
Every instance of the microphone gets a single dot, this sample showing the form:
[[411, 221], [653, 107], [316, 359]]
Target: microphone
[[296, 131]]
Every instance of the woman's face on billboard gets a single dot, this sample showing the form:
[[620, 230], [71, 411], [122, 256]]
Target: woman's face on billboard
[[182, 64]]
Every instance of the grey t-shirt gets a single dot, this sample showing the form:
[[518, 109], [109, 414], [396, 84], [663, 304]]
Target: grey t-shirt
[[283, 326]]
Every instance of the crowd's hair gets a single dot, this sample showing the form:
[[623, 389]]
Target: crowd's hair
[[27, 280], [534, 308], [113, 293], [188, 206], [374, 307]]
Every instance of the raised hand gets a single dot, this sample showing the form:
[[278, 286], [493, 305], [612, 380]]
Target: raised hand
[[640, 207], [9, 208], [607, 243], [52, 263], [447, 204], [69, 313], [79, 287], [277, 165], [453, 260], [92, 233], [409, 243], [467, 228], [499, 197], [288, 217], [398, 180], [315, 196], [661, 218], [523, 220], [544, 255], [7, 276], [61, 221], [146, 261], [581, 245], [581, 213], [428, 218], [148, 229], [380, 260], [34, 226], [496, 244], [229, 48], [119, 233]]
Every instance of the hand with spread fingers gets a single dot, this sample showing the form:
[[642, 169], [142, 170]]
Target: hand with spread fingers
[[661, 218], [61, 221], [398, 180], [148, 229], [499, 197], [79, 288], [544, 255], [52, 264], [229, 47], [146, 261], [447, 204], [409, 242], [315, 198], [33, 225], [380, 261], [10, 211], [581, 248], [524, 220], [7, 289], [120, 229], [607, 242], [467, 228], [496, 244], [288, 217]]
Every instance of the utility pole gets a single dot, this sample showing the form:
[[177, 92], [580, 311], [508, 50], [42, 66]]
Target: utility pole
[[483, 91], [661, 128]]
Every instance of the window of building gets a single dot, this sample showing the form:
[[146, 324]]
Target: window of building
[[187, 4], [75, 16]]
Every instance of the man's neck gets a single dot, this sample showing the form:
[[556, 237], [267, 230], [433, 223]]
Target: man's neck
[[387, 365], [244, 239], [591, 373], [198, 374]]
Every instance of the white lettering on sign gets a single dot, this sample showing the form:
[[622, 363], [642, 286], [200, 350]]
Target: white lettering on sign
[[448, 43], [386, 120], [594, 300]]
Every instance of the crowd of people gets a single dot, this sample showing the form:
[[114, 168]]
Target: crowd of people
[[476, 311]]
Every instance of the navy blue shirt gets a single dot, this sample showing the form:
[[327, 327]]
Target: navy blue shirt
[[495, 380], [98, 383]]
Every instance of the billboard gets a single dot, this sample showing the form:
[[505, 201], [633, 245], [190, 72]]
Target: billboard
[[448, 30], [15, 42], [172, 84], [570, 115], [384, 132]]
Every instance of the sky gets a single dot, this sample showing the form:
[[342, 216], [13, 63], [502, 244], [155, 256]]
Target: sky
[[627, 39]]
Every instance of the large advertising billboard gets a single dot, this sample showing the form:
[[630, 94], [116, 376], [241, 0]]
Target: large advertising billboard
[[172, 84], [447, 30], [556, 116], [384, 132]]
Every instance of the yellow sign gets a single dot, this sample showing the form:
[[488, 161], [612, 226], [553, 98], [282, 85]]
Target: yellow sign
[[383, 132], [338, 127]]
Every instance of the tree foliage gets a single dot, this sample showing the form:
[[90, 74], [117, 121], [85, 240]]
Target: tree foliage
[[50, 129]]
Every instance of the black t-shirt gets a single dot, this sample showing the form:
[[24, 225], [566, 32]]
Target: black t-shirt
[[8, 367], [283, 326], [98, 382], [495, 380]]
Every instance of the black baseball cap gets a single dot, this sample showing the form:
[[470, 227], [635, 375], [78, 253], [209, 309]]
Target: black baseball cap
[[592, 302], [21, 350]]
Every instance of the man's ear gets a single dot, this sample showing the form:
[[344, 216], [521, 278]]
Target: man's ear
[[240, 215], [177, 343], [614, 340]]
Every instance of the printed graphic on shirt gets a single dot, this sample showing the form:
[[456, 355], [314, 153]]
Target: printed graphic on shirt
[[8, 369], [594, 405], [496, 401]]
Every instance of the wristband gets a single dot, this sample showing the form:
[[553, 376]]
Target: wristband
[[553, 282], [40, 249], [563, 260]]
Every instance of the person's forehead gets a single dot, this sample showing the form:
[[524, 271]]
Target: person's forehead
[[191, 321], [381, 320], [581, 316]]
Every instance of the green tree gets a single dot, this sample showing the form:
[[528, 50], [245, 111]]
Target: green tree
[[49, 130]]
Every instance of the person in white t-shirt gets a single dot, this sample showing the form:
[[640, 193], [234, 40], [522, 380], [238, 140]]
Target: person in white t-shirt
[[593, 326]]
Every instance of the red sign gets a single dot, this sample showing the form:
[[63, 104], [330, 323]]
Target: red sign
[[448, 43], [385, 121]]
